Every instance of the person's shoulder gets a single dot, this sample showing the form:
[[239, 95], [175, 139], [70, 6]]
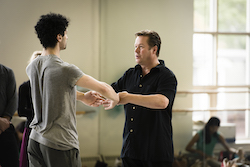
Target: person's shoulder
[[32, 64], [5, 70], [167, 70], [3, 67], [131, 69], [42, 62], [166, 73], [36, 60], [219, 134], [199, 132], [25, 84], [68, 67]]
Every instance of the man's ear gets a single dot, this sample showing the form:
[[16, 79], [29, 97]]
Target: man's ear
[[59, 37], [154, 49]]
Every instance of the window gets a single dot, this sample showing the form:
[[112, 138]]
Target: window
[[221, 62]]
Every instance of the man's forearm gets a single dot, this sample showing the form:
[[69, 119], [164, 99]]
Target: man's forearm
[[156, 101], [109, 92]]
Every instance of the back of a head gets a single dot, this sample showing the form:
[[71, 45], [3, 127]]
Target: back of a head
[[153, 39], [49, 26]]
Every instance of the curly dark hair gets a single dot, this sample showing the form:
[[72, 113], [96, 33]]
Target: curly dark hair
[[153, 39], [49, 26]]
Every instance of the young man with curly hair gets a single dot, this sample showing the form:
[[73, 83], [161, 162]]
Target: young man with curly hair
[[53, 139]]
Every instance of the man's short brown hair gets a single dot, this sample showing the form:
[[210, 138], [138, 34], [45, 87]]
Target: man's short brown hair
[[153, 39]]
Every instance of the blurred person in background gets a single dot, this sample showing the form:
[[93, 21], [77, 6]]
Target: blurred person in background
[[25, 109], [206, 140], [8, 105]]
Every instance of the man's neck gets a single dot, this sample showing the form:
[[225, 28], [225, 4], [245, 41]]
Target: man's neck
[[146, 68], [52, 51]]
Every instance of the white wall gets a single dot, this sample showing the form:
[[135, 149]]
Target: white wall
[[101, 43], [119, 22]]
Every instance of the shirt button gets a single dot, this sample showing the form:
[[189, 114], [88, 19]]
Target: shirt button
[[140, 85], [141, 76], [133, 107], [132, 119], [131, 130]]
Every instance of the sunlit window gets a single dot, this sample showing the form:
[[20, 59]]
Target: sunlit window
[[221, 61]]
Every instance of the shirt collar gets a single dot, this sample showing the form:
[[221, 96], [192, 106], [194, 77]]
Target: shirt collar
[[158, 67]]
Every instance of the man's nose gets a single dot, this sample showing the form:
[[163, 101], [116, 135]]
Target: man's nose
[[137, 49]]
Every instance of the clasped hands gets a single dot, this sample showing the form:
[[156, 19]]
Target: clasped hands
[[95, 100], [4, 124]]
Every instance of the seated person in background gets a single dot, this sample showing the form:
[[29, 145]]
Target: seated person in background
[[206, 140]]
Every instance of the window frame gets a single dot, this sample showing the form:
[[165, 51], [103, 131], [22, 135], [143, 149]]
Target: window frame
[[214, 6]]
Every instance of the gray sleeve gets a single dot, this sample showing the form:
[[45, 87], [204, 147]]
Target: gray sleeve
[[74, 74]]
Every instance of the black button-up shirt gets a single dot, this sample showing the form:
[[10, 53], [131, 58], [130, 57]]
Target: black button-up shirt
[[148, 132]]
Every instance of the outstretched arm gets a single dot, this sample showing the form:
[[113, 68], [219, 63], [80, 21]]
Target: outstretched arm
[[225, 145], [102, 88]]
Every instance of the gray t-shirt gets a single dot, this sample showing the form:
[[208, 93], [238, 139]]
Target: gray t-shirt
[[54, 99]]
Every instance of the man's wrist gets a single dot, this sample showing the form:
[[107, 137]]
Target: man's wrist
[[82, 96]]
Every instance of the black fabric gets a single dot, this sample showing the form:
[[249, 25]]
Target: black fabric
[[128, 162], [101, 164], [9, 148], [25, 106]]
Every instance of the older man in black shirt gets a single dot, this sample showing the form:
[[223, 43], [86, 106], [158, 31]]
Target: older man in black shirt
[[147, 91]]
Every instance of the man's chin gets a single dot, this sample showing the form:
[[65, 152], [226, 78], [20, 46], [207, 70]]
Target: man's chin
[[137, 60]]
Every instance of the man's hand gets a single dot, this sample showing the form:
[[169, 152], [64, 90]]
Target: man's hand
[[91, 98], [123, 97], [4, 124], [109, 104]]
